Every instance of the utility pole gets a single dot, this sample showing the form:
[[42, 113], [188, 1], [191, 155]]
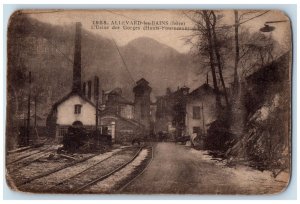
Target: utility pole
[[203, 123], [28, 111], [35, 99], [96, 94], [237, 49]]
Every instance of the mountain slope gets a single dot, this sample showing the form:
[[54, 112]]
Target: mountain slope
[[47, 51]]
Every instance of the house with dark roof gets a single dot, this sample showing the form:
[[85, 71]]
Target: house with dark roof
[[200, 110], [72, 109], [116, 103]]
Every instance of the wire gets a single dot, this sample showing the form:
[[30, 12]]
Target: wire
[[123, 61], [53, 45]]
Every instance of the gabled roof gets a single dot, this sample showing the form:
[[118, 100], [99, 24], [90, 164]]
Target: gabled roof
[[204, 89], [142, 81], [118, 99], [72, 93]]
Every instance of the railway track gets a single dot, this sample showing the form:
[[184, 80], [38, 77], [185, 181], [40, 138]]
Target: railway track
[[18, 158], [81, 188], [85, 170], [28, 160], [96, 173], [137, 173], [25, 184], [21, 183]]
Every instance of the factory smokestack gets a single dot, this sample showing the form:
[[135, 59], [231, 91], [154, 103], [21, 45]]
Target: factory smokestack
[[77, 60]]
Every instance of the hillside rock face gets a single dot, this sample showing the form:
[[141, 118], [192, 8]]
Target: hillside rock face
[[265, 142]]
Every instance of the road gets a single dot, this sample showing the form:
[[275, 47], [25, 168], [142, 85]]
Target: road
[[178, 169]]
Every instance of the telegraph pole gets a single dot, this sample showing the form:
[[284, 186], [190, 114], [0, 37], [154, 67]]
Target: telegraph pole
[[203, 118], [28, 111], [35, 99], [96, 94]]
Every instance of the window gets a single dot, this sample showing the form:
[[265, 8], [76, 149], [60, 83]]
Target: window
[[196, 112], [77, 109], [196, 129]]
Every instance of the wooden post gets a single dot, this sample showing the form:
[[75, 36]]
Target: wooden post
[[96, 94], [35, 110], [28, 111], [203, 123]]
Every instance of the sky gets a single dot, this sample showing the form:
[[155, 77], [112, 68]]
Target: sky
[[174, 39]]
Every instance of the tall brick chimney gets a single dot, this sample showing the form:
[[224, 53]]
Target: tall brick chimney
[[77, 60]]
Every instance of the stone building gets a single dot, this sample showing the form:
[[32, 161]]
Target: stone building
[[171, 112], [200, 110], [142, 103]]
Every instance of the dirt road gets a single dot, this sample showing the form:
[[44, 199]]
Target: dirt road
[[179, 169]]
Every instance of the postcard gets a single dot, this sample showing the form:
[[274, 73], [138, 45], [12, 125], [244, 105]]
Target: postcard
[[149, 102]]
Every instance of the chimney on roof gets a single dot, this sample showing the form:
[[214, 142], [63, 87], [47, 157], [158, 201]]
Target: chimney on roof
[[77, 60], [96, 88]]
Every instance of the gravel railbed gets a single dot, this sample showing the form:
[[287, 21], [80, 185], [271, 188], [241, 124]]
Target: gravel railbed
[[45, 183], [15, 157], [97, 171], [110, 184]]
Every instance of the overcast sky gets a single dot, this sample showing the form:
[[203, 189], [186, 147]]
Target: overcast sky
[[171, 38]]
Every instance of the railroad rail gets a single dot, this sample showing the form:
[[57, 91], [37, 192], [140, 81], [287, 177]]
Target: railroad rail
[[81, 188], [27, 155], [53, 171], [97, 163], [23, 163], [137, 174], [88, 177]]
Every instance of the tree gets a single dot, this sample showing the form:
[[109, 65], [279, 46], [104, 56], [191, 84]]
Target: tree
[[244, 17], [217, 52], [205, 45]]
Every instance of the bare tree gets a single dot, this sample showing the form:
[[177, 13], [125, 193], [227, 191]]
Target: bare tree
[[239, 19], [205, 45], [217, 52]]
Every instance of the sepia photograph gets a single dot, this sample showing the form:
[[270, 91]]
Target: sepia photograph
[[148, 102]]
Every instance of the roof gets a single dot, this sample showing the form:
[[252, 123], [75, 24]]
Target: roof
[[121, 99], [72, 93], [142, 81], [118, 98], [114, 91], [204, 89], [108, 112]]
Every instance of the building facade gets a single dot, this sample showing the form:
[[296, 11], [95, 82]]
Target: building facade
[[200, 110], [70, 110], [142, 103]]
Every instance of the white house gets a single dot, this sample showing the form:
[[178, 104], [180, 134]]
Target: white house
[[73, 109]]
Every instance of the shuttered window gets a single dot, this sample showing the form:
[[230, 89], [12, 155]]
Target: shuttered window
[[196, 112], [77, 109]]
